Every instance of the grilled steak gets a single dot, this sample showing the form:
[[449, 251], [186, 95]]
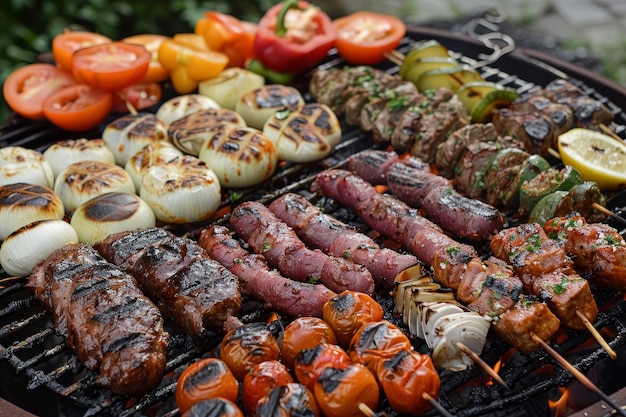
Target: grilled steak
[[449, 151], [534, 129], [114, 329], [291, 297], [338, 239], [279, 244], [195, 291], [560, 114], [588, 112]]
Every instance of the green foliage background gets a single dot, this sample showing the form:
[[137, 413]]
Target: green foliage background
[[27, 27]]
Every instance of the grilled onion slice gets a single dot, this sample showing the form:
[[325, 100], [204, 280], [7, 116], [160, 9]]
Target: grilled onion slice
[[258, 105], [181, 106], [22, 203], [83, 180], [183, 190], [305, 134], [240, 156], [156, 153], [18, 164], [128, 134], [29, 244], [111, 213], [190, 132], [228, 87], [66, 152]]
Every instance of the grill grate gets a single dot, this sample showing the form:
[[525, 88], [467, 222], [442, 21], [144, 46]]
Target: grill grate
[[30, 346]]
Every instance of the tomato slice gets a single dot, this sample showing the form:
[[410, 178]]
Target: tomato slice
[[112, 66], [78, 108], [363, 37], [139, 96], [151, 41], [65, 44], [26, 88]]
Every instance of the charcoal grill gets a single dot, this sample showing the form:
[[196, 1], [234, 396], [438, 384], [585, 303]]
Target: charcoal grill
[[44, 377]]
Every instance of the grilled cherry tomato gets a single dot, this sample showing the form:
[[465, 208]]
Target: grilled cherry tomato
[[364, 37], [205, 379], [78, 108], [26, 88], [304, 333], [291, 400], [339, 392], [151, 41], [310, 363], [111, 66], [214, 407], [262, 378], [138, 96], [377, 341], [405, 377], [65, 44], [248, 345], [348, 311]]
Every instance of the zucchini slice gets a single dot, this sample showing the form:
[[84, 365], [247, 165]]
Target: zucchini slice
[[452, 78]]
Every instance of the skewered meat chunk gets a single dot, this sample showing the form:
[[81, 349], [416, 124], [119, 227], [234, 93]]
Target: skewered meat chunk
[[588, 112], [560, 114], [195, 291], [500, 178], [279, 244], [113, 328], [288, 296], [450, 150], [535, 130], [339, 239], [373, 166], [470, 173], [411, 181]]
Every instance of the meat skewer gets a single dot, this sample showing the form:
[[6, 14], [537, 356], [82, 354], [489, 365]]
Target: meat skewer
[[339, 239], [498, 294], [113, 328], [279, 244], [288, 296], [197, 292], [410, 180]]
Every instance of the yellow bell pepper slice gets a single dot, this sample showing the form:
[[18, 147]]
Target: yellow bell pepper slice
[[190, 61]]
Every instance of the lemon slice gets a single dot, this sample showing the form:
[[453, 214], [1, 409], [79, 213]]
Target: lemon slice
[[598, 157]]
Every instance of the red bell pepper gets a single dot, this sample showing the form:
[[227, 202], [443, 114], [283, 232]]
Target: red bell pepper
[[293, 36], [229, 35]]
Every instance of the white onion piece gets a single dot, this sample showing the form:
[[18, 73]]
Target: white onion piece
[[240, 156], [308, 133], [28, 245], [258, 105], [83, 180], [181, 106], [157, 153], [228, 87], [18, 164], [128, 134], [469, 328], [184, 190], [111, 213], [22, 203], [66, 152], [189, 133]]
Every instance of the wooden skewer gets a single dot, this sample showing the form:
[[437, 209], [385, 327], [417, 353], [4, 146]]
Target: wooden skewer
[[364, 408], [578, 375], [10, 279], [395, 57], [607, 131], [435, 404], [612, 354], [484, 365]]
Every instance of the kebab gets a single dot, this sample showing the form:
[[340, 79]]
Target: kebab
[[175, 272]]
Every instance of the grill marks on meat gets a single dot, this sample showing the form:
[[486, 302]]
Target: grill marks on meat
[[449, 151], [534, 129], [411, 181], [454, 264], [547, 272], [588, 112], [339, 239], [597, 250], [114, 329], [257, 279], [282, 248], [198, 293]]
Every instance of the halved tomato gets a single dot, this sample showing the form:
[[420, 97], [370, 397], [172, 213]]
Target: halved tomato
[[363, 37], [78, 108], [150, 41], [112, 66], [65, 44], [139, 97], [26, 88]]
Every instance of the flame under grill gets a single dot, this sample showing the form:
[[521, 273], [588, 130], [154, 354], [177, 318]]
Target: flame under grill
[[31, 348]]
